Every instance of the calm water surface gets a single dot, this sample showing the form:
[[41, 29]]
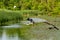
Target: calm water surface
[[12, 32]]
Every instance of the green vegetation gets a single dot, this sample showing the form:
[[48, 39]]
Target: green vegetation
[[10, 16], [21, 9], [6, 16], [45, 6]]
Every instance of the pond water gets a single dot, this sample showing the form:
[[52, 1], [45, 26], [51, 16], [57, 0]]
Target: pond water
[[38, 32], [10, 32]]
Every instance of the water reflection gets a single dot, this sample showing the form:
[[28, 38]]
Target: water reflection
[[12, 26], [9, 34], [15, 32]]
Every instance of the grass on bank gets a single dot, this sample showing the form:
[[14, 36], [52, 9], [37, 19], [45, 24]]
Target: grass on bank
[[9, 15], [6, 16]]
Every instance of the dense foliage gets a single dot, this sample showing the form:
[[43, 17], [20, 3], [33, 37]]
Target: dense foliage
[[47, 6]]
